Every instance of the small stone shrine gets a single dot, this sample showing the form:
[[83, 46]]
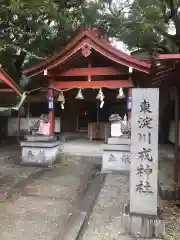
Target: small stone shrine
[[141, 215], [39, 148], [116, 153]]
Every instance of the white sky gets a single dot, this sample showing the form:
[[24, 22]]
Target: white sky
[[120, 45]]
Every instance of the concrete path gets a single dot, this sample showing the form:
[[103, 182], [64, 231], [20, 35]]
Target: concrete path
[[42, 209], [12, 176], [105, 222], [44, 206], [83, 147]]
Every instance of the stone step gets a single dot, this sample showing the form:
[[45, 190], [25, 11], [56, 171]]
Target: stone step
[[119, 141], [118, 147]]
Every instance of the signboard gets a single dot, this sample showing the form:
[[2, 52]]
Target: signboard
[[129, 103], [50, 102], [144, 150]]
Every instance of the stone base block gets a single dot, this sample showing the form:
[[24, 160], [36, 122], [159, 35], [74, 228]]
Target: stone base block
[[116, 147], [144, 226], [117, 156], [115, 160], [44, 153], [39, 138]]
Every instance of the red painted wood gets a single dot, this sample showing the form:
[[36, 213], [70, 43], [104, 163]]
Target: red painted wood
[[51, 113], [117, 52], [93, 84], [109, 55], [90, 39], [169, 56], [9, 83], [96, 71], [89, 70], [56, 55]]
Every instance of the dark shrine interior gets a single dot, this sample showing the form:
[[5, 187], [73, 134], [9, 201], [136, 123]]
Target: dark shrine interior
[[86, 110]]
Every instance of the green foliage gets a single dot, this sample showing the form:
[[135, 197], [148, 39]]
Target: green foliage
[[146, 23], [30, 30]]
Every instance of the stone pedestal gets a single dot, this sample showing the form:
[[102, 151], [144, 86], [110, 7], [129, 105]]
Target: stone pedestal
[[144, 226], [116, 155], [38, 149]]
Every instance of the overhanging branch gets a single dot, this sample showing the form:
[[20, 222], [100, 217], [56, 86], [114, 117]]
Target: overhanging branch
[[33, 55], [17, 48]]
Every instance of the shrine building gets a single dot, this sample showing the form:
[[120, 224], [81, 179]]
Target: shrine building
[[87, 80]]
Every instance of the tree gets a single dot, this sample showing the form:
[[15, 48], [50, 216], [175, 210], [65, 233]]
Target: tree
[[31, 30], [150, 24]]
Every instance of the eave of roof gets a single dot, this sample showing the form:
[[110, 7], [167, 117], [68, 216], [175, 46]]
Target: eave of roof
[[168, 56], [100, 45], [164, 68], [7, 80]]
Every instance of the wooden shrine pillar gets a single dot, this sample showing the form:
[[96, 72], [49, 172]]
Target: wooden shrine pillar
[[129, 103], [176, 150], [51, 110]]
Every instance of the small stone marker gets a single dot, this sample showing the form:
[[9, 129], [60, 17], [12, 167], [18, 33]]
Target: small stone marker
[[144, 151]]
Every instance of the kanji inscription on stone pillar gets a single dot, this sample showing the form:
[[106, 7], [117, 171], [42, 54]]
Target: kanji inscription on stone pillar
[[144, 151]]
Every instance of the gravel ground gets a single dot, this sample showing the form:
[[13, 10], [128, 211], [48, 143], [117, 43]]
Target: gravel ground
[[42, 208], [36, 215], [171, 216], [105, 221], [170, 209]]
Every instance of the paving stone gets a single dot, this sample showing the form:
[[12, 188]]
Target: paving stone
[[106, 219]]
